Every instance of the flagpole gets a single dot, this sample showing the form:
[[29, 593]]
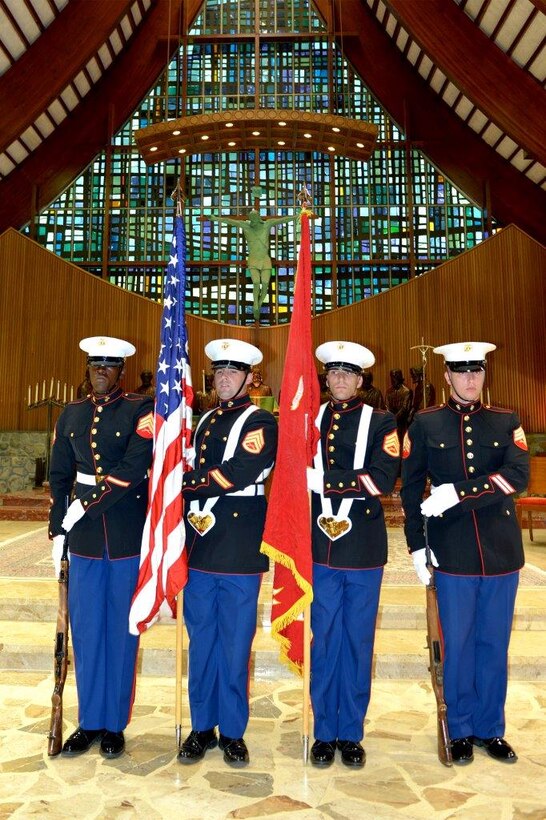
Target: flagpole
[[179, 665], [287, 539], [306, 665], [178, 196], [306, 680], [163, 564]]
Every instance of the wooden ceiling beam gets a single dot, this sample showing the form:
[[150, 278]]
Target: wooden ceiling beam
[[540, 5], [452, 146], [87, 130], [478, 67], [461, 155], [40, 75]]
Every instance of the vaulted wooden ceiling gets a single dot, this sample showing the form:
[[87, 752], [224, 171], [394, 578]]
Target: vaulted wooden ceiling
[[465, 79]]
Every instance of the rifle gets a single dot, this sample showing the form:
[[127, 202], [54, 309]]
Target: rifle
[[60, 659], [436, 659]]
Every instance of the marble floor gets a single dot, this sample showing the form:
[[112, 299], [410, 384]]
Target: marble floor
[[402, 777]]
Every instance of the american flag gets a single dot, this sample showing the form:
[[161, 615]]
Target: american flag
[[163, 563]]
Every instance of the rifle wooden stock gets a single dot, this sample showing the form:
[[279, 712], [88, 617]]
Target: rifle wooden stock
[[436, 668], [60, 664]]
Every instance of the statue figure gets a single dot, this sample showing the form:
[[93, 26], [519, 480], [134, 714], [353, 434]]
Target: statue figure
[[256, 386], [421, 398], [146, 388], [256, 231], [399, 398], [371, 395]]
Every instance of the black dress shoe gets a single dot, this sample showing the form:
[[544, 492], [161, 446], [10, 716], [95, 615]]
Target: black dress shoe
[[196, 744], [80, 741], [352, 754], [498, 748], [462, 751], [323, 752], [112, 744], [235, 751]]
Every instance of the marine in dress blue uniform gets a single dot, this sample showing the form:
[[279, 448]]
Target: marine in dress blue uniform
[[357, 463], [476, 459], [225, 506], [100, 457]]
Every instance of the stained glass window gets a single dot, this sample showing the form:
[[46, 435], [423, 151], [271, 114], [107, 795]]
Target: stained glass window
[[379, 223]]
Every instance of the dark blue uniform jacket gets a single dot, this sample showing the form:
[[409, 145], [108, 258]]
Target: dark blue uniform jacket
[[365, 545], [483, 452], [233, 543], [109, 437]]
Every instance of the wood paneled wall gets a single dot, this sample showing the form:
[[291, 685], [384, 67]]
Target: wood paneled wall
[[493, 293]]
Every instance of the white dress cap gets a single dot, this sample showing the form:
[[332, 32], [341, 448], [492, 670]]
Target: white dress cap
[[466, 357], [106, 349], [345, 356], [232, 353]]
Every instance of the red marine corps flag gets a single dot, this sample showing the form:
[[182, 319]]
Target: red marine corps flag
[[287, 533], [163, 562]]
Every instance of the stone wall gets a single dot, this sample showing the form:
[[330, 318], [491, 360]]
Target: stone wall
[[20, 449], [18, 453]]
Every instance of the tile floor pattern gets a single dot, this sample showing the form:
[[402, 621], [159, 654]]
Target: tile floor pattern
[[402, 777]]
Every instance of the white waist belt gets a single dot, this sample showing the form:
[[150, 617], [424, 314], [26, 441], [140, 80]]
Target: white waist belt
[[85, 478], [252, 489]]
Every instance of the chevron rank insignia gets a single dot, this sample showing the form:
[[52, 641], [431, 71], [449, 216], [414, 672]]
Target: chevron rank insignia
[[145, 426], [391, 444], [519, 439], [406, 447], [254, 442]]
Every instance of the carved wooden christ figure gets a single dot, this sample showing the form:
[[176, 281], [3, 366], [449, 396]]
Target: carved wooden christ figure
[[256, 230]]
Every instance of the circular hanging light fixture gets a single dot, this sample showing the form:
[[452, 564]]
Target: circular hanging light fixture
[[257, 129]]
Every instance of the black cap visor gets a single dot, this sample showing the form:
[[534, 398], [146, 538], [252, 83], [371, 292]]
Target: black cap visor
[[347, 366], [229, 364], [105, 361], [466, 367]]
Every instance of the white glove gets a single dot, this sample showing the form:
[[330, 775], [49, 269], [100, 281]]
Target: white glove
[[57, 553], [420, 564], [315, 480], [73, 515], [442, 498]]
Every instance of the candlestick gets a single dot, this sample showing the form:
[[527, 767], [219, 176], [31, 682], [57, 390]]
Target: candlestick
[[29, 401], [64, 393], [43, 389], [488, 397], [58, 393], [71, 392], [443, 396], [36, 394], [51, 387]]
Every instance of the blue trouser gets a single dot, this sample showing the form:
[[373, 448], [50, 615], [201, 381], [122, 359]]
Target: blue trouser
[[220, 616], [99, 598], [343, 616], [476, 616]]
